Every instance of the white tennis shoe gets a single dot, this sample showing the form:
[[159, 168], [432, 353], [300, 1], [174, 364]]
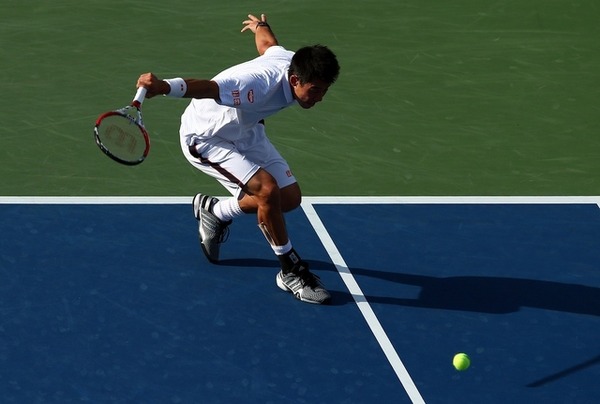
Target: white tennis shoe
[[212, 231], [304, 285]]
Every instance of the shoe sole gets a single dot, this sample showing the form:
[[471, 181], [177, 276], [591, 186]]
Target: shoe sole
[[206, 253]]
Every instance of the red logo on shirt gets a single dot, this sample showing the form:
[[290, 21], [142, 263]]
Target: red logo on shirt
[[251, 96], [235, 93]]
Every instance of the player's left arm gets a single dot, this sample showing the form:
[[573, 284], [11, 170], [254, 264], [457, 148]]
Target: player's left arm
[[264, 37]]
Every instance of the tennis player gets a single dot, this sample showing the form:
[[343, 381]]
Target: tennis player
[[223, 135]]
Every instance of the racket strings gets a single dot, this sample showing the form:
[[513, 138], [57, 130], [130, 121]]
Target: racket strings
[[116, 135], [121, 136]]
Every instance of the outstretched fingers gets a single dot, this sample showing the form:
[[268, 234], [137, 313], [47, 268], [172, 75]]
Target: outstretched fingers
[[252, 22]]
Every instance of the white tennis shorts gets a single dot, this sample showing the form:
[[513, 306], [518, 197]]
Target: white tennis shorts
[[233, 163]]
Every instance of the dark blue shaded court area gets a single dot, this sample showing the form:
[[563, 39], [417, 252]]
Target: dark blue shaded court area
[[515, 286], [116, 303]]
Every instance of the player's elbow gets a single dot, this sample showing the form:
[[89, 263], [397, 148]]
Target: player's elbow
[[262, 46]]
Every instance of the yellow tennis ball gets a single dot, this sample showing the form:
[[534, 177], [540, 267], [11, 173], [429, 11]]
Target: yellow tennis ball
[[461, 361]]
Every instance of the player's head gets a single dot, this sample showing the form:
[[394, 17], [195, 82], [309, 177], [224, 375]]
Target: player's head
[[316, 62], [312, 70]]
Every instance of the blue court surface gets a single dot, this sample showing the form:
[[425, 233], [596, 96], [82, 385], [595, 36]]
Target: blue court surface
[[111, 300]]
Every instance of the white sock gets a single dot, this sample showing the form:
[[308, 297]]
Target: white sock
[[282, 249], [227, 209]]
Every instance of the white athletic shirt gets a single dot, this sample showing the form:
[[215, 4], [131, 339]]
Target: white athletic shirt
[[249, 92]]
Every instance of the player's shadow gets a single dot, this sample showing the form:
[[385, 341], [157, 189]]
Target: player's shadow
[[484, 294], [251, 262], [464, 293]]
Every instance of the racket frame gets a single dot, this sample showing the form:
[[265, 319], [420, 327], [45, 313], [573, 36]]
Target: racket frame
[[133, 113]]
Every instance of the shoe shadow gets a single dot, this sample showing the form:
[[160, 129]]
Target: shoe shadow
[[495, 295]]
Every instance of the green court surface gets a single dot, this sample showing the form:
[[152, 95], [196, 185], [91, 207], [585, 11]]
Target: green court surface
[[467, 97]]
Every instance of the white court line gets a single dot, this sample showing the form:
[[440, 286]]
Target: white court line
[[95, 200], [483, 200], [408, 200], [363, 305]]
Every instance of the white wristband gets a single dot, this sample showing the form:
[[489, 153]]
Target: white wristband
[[178, 87]]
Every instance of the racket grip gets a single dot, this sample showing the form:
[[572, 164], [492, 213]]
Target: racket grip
[[140, 95]]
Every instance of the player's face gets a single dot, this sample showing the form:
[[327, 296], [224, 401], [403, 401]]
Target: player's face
[[308, 94]]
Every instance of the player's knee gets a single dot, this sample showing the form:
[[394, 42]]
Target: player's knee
[[271, 194], [264, 189], [291, 197]]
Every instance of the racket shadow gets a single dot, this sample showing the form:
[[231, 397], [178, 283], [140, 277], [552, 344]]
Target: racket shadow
[[566, 372]]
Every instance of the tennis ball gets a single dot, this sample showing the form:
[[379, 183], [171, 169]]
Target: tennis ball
[[461, 361]]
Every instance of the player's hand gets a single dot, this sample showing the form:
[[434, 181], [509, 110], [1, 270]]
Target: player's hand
[[153, 84], [252, 22]]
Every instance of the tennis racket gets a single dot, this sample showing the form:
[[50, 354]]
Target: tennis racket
[[121, 134]]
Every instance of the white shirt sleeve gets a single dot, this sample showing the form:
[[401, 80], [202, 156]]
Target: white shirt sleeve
[[241, 91], [248, 85]]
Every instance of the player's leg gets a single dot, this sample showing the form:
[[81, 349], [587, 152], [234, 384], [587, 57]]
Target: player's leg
[[268, 192], [219, 159], [254, 189], [272, 191], [264, 195], [291, 196]]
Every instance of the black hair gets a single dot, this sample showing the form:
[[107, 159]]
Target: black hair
[[316, 62]]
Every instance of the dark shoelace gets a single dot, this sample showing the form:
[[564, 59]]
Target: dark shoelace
[[224, 232], [309, 279]]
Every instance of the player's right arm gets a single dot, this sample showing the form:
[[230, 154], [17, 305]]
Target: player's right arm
[[195, 88]]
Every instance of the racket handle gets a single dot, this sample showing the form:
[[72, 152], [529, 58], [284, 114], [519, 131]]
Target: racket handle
[[139, 96]]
